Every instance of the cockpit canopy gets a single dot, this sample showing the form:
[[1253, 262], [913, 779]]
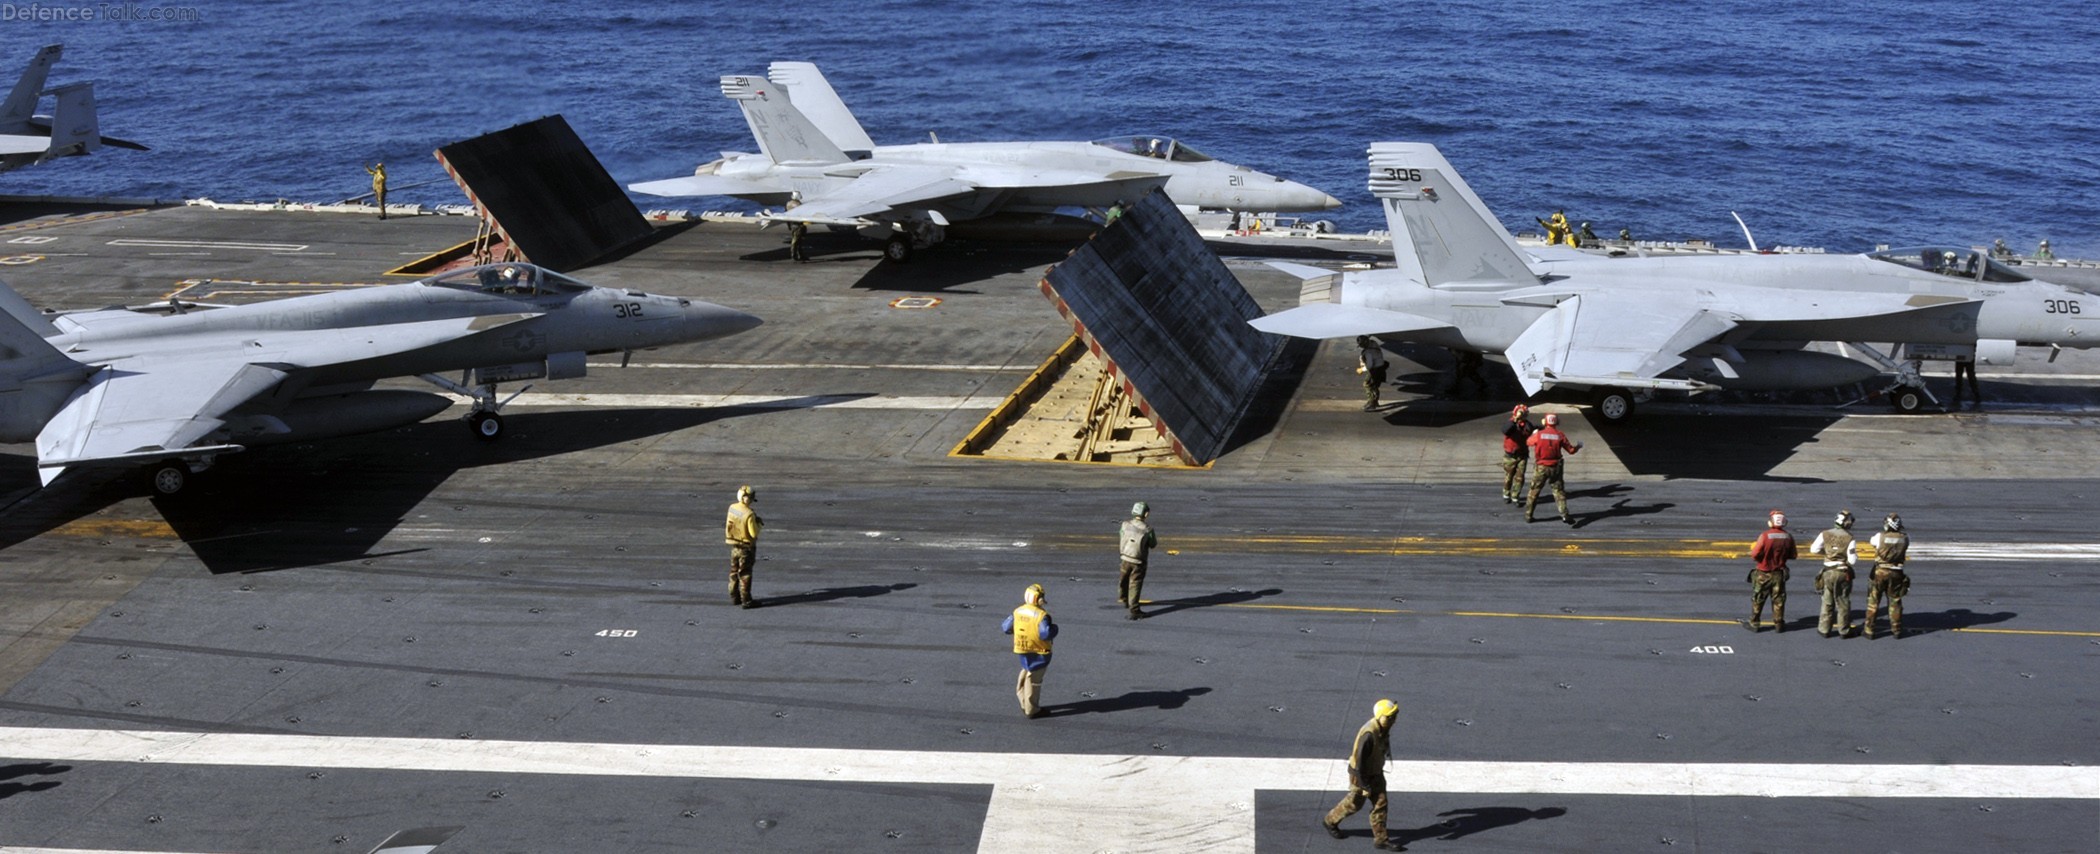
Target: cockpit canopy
[[1162, 147], [516, 279], [1972, 264]]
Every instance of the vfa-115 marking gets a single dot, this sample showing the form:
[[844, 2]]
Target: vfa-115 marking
[[175, 385], [1621, 326]]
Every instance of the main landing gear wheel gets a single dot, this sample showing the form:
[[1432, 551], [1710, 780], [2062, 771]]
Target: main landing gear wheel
[[1614, 404], [170, 477], [1907, 399], [487, 426], [898, 249]]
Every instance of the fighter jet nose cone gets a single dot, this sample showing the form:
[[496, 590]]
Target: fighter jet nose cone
[[715, 321], [1330, 202]]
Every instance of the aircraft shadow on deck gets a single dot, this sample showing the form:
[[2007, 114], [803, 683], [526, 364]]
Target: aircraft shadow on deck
[[1461, 823], [10, 775], [1126, 702], [1162, 607], [333, 500], [831, 594], [947, 267]]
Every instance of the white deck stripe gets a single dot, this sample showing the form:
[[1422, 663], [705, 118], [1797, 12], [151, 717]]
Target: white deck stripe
[[809, 366], [1062, 802], [752, 401]]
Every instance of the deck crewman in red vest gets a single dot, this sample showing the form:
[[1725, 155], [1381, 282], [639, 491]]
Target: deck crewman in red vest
[[1771, 551], [1515, 438], [1548, 447]]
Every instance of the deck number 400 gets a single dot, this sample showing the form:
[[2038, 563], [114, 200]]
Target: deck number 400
[[1714, 650]]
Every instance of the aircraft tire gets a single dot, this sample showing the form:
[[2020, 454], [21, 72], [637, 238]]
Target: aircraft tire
[[486, 426], [169, 478], [1614, 404], [1907, 400], [898, 249]]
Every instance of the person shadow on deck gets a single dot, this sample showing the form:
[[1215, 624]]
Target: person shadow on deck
[[1126, 702], [1461, 823]]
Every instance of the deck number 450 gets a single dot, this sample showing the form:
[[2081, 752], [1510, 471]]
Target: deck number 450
[[1714, 650], [618, 633]]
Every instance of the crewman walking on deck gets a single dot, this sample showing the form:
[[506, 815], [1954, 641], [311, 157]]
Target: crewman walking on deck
[[741, 533], [378, 173], [797, 250], [1370, 362], [1135, 543], [1889, 582], [1771, 551], [1033, 631], [1516, 439], [1549, 450], [1367, 757], [1837, 549]]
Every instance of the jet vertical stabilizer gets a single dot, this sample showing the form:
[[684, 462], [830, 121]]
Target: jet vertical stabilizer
[[813, 95], [35, 378], [1442, 232], [21, 103], [783, 132], [74, 129]]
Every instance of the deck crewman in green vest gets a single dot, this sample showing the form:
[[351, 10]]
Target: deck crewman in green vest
[[1891, 551], [1134, 542]]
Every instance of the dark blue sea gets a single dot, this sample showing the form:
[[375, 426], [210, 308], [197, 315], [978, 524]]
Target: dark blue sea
[[1839, 123]]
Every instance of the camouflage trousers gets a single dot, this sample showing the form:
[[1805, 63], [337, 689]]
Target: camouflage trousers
[[1767, 586], [1130, 585], [1373, 378], [1837, 600], [1540, 476], [740, 559], [1355, 800], [1889, 584], [1513, 475]]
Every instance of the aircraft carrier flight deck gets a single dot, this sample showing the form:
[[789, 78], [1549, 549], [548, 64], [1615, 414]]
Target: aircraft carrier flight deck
[[316, 645]]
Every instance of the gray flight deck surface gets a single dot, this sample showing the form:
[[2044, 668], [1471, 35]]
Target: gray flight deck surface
[[565, 588]]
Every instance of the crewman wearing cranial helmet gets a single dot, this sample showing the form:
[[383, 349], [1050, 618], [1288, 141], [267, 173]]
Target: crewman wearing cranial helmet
[[1033, 631], [1367, 757], [1838, 550], [741, 533], [1890, 582], [1771, 551], [1134, 542], [1549, 449], [1516, 436]]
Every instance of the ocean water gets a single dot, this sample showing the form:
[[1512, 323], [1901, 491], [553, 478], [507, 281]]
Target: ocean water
[[1841, 124]]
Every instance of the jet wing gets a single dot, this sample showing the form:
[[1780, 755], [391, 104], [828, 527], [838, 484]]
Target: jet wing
[[878, 190], [1601, 339], [22, 143], [161, 405], [154, 405], [707, 185], [1329, 320]]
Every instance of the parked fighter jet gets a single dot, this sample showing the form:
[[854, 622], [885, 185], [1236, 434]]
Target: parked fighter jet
[[1617, 325], [27, 139], [816, 156], [176, 385]]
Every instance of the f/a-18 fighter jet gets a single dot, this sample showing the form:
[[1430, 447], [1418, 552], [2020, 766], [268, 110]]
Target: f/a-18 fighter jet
[[818, 161], [1617, 326], [175, 385], [27, 138]]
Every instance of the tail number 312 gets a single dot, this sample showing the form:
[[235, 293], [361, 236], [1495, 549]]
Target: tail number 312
[[627, 309]]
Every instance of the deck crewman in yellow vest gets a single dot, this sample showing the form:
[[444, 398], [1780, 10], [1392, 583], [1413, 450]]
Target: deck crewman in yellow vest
[[1033, 630], [741, 533], [378, 173], [1367, 758]]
